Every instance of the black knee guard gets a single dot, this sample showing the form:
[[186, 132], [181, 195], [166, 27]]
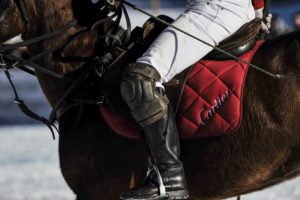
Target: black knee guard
[[138, 89]]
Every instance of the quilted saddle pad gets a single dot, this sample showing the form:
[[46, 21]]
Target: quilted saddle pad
[[211, 103]]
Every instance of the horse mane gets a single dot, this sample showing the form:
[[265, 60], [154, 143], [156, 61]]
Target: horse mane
[[295, 43], [291, 39], [284, 47], [291, 35], [57, 15]]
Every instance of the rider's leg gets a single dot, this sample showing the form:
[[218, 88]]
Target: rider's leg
[[149, 107], [170, 54]]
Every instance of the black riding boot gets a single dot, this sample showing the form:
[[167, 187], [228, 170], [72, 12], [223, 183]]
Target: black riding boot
[[166, 178]]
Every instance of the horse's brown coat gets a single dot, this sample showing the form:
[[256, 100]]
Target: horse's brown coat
[[97, 164]]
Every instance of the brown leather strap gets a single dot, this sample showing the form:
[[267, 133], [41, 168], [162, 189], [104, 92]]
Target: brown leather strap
[[175, 88], [9, 47], [26, 110]]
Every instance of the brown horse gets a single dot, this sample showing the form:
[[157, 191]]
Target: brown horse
[[98, 164]]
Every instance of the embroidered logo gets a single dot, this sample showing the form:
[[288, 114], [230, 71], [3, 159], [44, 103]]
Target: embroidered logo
[[208, 114]]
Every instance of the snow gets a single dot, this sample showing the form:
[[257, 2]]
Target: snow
[[29, 169]]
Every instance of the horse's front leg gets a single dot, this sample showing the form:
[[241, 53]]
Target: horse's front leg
[[95, 162]]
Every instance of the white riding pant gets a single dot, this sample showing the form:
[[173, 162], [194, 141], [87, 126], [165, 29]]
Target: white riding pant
[[209, 20]]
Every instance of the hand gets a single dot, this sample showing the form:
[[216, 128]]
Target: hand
[[266, 23]]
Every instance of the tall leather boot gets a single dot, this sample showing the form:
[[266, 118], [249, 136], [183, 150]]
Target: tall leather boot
[[165, 178]]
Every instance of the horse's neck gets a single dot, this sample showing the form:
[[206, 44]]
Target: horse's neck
[[51, 15], [275, 102], [11, 25], [45, 17]]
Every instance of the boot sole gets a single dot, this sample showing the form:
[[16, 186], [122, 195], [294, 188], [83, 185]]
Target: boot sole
[[159, 198], [178, 195], [151, 198]]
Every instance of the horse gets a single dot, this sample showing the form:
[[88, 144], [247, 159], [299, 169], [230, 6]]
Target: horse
[[98, 164]]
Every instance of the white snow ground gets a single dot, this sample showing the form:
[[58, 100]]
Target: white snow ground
[[29, 169]]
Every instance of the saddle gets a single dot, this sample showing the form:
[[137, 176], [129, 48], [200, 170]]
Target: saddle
[[238, 44], [206, 99]]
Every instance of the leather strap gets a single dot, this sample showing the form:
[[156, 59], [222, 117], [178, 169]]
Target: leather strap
[[26, 65], [24, 13], [58, 110], [10, 47], [27, 111]]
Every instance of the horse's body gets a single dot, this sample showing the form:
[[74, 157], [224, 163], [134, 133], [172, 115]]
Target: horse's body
[[98, 164]]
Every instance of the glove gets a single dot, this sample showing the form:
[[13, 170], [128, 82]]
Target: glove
[[266, 22], [112, 5]]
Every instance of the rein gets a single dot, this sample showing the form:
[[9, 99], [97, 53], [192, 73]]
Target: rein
[[8, 62], [9, 47], [91, 64], [114, 39], [23, 107], [25, 65], [275, 76], [24, 13]]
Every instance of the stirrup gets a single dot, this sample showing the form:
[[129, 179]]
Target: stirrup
[[162, 188]]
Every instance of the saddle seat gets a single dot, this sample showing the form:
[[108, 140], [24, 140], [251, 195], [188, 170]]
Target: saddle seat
[[206, 98], [239, 43]]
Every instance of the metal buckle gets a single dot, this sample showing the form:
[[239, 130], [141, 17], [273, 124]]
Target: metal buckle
[[18, 102], [101, 62], [5, 65], [100, 71], [100, 100]]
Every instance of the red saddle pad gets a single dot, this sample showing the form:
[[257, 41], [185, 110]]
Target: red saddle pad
[[211, 103]]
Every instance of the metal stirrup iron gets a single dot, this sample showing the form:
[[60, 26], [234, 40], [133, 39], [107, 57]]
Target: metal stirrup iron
[[162, 188]]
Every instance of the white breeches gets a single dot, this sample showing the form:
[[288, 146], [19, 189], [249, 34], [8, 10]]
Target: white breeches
[[209, 20]]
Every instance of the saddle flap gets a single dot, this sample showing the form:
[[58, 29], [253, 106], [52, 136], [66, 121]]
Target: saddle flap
[[193, 121], [212, 100]]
